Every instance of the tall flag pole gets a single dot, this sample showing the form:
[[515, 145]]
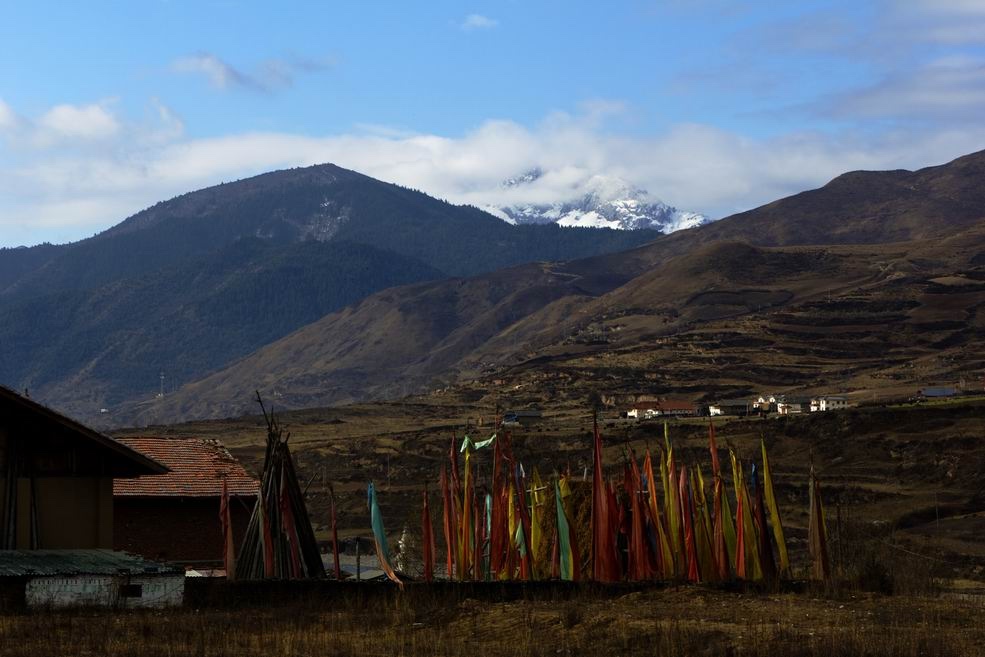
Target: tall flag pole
[[703, 528], [673, 505], [537, 491], [639, 553], [774, 511], [335, 537], [457, 509], [567, 567], [719, 502], [228, 542], [427, 534], [466, 541], [665, 562], [448, 524], [765, 546], [379, 536], [817, 533], [603, 548], [687, 526], [497, 532], [524, 526]]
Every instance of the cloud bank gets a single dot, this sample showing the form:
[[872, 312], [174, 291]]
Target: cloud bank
[[75, 170]]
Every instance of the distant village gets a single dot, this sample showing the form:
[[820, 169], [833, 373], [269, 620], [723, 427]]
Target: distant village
[[652, 408]]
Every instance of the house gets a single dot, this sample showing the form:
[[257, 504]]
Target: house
[[72, 578], [175, 516], [644, 412], [56, 478], [676, 408], [56, 514], [792, 405], [664, 408], [522, 418], [766, 403], [828, 403], [739, 407]]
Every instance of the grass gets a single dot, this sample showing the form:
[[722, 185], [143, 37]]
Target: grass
[[442, 621]]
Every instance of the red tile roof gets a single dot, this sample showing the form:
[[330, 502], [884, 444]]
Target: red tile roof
[[666, 405], [197, 469]]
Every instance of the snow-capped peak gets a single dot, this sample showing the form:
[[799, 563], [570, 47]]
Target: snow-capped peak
[[528, 177], [598, 202]]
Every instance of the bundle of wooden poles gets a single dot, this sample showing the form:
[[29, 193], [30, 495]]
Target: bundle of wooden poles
[[279, 542], [663, 521]]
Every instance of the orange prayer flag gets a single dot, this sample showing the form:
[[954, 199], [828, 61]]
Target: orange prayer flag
[[604, 564]]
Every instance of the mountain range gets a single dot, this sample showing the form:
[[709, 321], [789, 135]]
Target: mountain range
[[194, 283], [872, 284]]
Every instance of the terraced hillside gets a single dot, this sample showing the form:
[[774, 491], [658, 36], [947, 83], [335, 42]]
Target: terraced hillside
[[877, 322]]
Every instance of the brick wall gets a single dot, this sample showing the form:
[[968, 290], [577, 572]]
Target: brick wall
[[181, 530]]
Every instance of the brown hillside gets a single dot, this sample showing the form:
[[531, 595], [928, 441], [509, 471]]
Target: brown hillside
[[869, 207], [842, 303]]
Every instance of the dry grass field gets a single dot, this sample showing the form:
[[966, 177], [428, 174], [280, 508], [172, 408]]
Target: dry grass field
[[427, 621]]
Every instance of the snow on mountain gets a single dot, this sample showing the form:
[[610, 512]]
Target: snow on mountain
[[601, 202]]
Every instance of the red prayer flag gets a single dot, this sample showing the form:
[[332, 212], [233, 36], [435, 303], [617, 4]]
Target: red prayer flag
[[448, 523], [719, 547], [687, 517], [740, 539], [716, 467], [639, 552], [604, 558]]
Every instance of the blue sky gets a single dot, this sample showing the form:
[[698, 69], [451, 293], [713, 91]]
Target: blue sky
[[713, 106]]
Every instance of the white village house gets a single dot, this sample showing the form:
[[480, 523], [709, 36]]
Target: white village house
[[830, 403]]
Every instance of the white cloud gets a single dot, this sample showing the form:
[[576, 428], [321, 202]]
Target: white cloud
[[85, 122], [59, 192], [219, 74], [478, 22], [269, 75], [8, 119]]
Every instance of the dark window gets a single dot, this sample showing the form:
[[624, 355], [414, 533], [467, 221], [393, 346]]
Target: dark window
[[131, 590]]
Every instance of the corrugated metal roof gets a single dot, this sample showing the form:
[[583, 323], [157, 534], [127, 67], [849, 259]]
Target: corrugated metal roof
[[197, 468], [22, 563]]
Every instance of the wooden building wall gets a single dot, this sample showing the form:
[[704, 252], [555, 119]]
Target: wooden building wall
[[74, 505], [73, 512]]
